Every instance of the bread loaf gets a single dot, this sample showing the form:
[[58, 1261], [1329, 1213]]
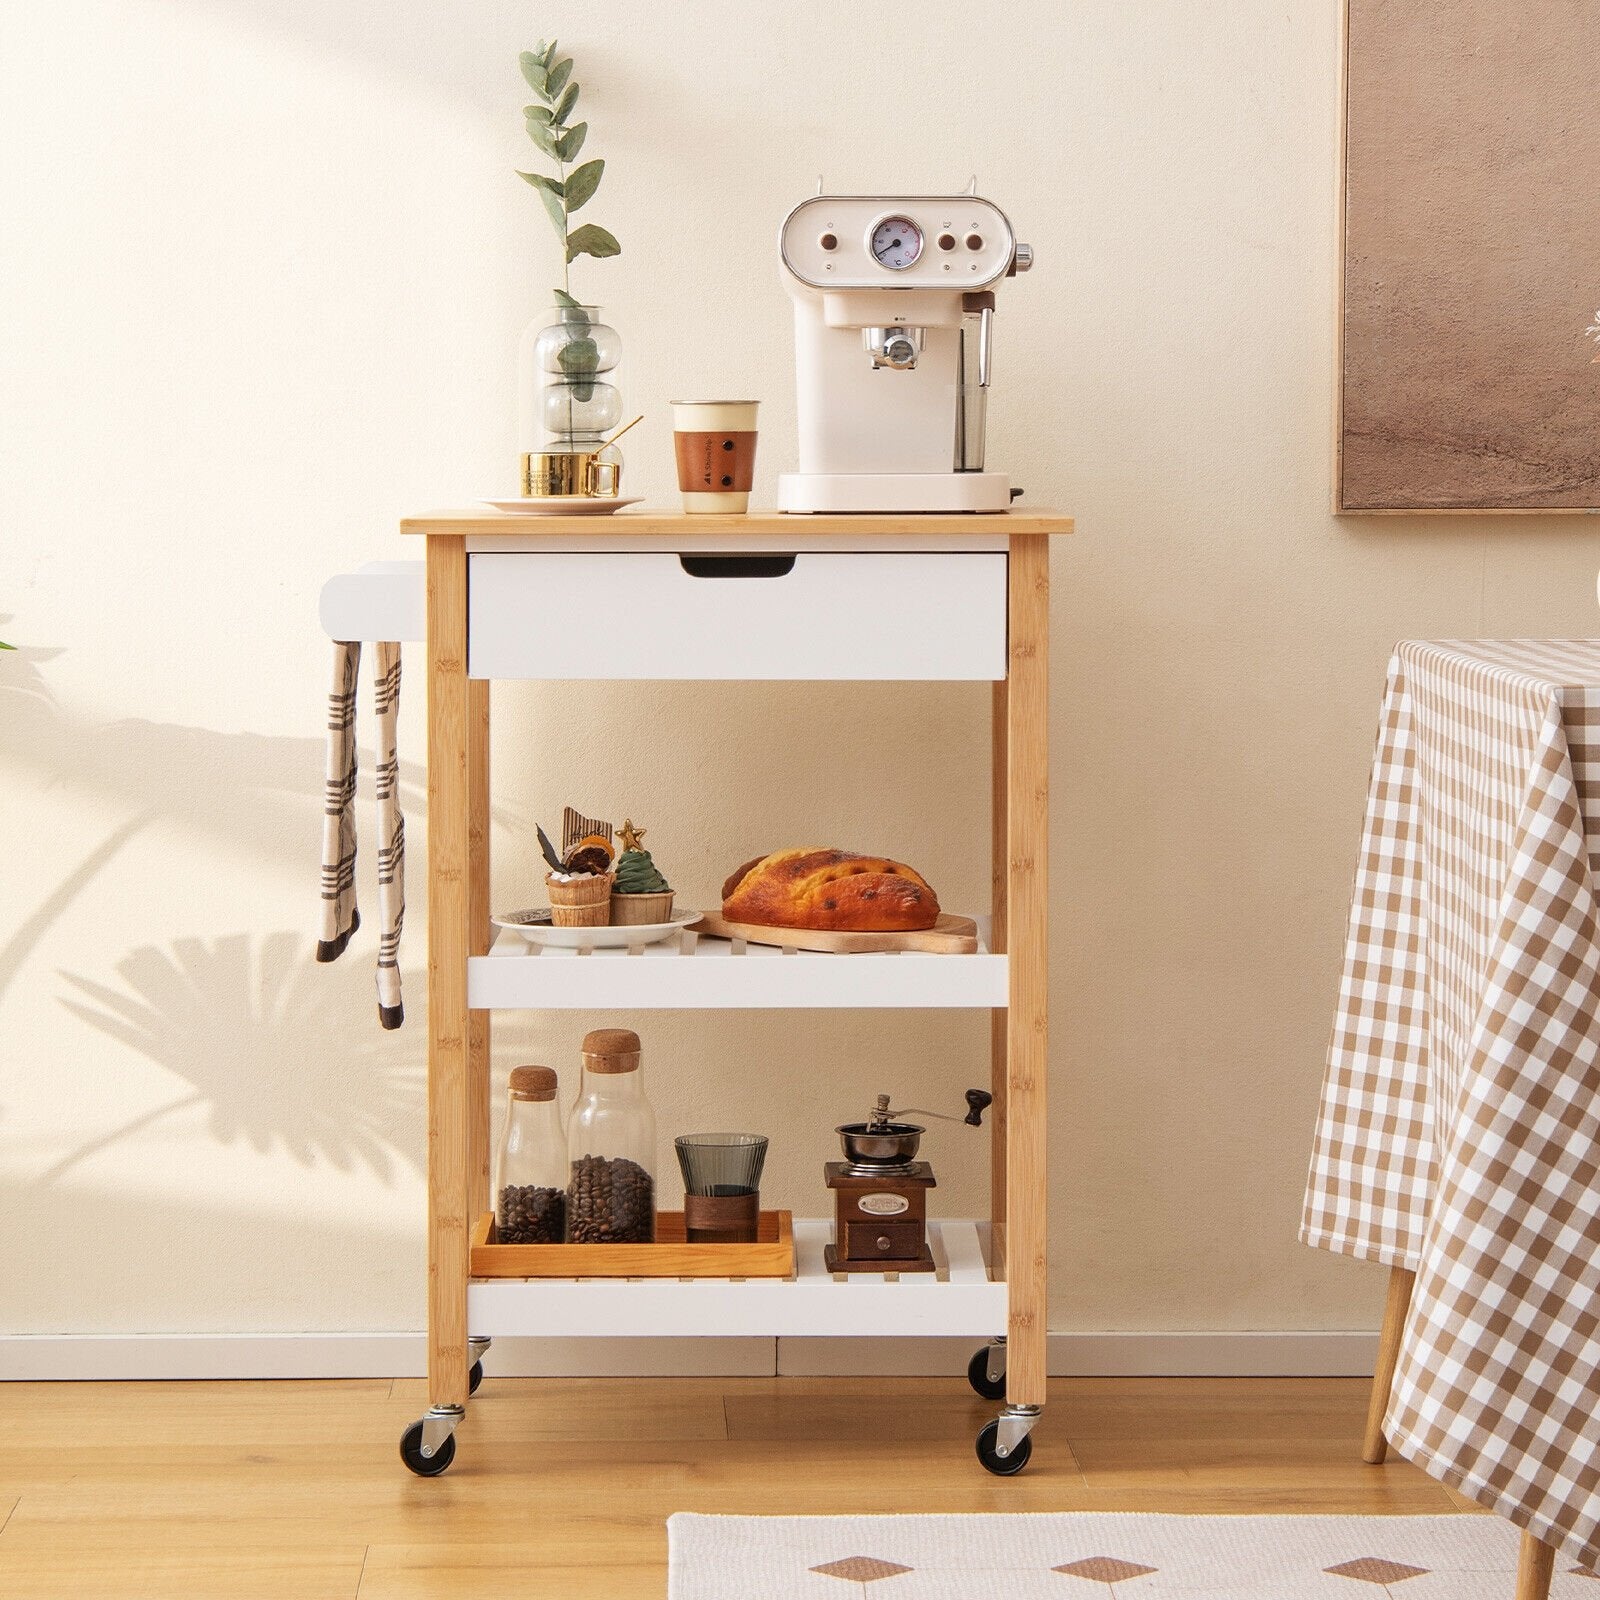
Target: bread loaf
[[835, 890]]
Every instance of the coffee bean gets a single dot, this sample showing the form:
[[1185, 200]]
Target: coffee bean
[[610, 1200], [529, 1214]]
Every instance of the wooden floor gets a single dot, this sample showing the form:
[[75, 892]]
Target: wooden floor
[[560, 1488]]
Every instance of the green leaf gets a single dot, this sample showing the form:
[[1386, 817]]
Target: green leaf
[[544, 138], [571, 302], [5, 646], [533, 71], [570, 143], [548, 54], [549, 192], [537, 114], [578, 356], [591, 241], [556, 78], [565, 104], [539, 49], [582, 183]]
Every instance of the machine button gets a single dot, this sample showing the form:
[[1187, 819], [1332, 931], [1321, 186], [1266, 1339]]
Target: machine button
[[947, 241], [829, 241], [974, 241]]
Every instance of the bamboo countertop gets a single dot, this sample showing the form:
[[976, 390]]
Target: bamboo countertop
[[795, 528]]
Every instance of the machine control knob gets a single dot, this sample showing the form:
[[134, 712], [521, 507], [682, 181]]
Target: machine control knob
[[885, 1242], [1023, 259]]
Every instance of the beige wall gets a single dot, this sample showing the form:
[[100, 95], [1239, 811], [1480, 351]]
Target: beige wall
[[264, 298]]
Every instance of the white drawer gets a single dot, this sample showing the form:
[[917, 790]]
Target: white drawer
[[813, 615]]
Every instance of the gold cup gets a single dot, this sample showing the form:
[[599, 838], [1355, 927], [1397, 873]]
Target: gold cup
[[573, 473]]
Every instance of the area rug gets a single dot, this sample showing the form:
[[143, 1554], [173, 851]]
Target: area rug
[[1051, 1556]]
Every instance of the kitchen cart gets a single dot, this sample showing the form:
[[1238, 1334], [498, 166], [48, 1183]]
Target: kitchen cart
[[763, 596]]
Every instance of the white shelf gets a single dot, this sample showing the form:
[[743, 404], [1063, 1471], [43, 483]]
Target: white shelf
[[698, 973], [959, 1299]]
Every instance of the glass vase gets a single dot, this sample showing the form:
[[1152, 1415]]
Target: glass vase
[[567, 401]]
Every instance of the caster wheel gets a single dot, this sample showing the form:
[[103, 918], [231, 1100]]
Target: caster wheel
[[1001, 1466], [978, 1377], [475, 1377], [425, 1466]]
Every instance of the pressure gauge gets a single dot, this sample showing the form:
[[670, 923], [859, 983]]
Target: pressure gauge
[[896, 243]]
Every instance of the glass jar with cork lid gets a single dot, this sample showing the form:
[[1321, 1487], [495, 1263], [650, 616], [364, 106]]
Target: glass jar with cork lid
[[530, 1183], [611, 1146]]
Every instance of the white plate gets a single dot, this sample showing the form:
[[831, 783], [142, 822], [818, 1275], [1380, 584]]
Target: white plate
[[564, 505], [609, 938]]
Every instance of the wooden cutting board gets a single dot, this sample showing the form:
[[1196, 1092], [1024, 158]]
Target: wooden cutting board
[[949, 936]]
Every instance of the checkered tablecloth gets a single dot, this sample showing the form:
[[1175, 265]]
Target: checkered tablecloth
[[1459, 1131]]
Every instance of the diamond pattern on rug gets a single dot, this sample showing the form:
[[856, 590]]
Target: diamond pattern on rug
[[861, 1569], [1374, 1569], [1104, 1569]]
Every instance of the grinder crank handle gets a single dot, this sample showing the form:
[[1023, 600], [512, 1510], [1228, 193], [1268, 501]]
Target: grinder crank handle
[[978, 1101]]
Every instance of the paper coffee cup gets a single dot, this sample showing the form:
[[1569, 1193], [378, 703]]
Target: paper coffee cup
[[715, 444]]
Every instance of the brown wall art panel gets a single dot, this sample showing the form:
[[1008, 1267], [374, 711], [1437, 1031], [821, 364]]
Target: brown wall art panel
[[1471, 257]]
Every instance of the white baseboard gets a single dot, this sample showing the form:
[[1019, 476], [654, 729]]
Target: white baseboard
[[402, 1355]]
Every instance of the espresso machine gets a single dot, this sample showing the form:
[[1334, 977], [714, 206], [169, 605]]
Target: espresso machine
[[893, 323]]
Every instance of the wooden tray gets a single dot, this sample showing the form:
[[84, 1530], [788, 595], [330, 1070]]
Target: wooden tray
[[949, 936], [671, 1256]]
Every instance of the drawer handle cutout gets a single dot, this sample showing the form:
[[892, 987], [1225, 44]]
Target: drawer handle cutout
[[737, 566]]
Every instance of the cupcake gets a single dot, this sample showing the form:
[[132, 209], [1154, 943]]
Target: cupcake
[[640, 895], [581, 876], [580, 899]]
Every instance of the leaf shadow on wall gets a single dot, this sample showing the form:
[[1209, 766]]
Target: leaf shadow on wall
[[187, 774], [272, 1045]]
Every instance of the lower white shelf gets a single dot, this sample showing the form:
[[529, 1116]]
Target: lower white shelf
[[961, 1298], [698, 973]]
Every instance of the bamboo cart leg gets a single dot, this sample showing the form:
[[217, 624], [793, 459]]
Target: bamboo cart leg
[[1005, 1449], [429, 1445], [1536, 1562], [478, 1022], [1375, 1447], [986, 1372], [998, 856]]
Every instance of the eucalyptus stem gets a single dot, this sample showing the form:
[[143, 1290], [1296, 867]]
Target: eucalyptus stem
[[548, 127]]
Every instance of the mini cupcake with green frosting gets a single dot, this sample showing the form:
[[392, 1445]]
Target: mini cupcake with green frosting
[[640, 895]]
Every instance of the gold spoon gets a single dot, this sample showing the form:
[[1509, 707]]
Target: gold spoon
[[622, 430]]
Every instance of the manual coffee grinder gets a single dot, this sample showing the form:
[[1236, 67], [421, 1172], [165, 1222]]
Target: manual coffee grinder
[[880, 1190]]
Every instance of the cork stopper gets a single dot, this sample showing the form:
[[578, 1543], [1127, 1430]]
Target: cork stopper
[[611, 1050], [533, 1083]]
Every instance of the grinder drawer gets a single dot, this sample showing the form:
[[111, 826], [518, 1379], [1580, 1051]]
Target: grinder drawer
[[864, 1241], [816, 615]]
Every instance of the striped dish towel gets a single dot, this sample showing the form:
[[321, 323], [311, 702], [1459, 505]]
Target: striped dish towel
[[340, 918]]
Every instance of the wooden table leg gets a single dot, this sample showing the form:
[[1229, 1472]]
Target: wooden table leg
[[1375, 1447], [998, 856], [1536, 1562], [1027, 918], [478, 940], [450, 746]]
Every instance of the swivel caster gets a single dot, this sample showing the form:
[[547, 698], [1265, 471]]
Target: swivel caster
[[477, 1349], [1003, 1445], [986, 1371], [988, 1453], [428, 1447]]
